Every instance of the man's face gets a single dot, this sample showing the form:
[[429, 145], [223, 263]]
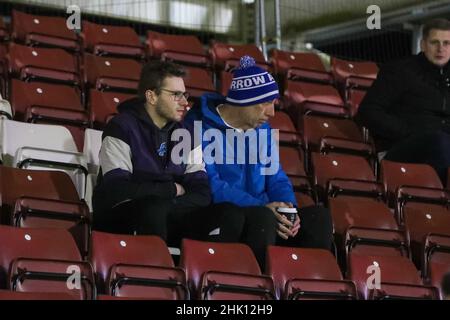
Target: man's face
[[171, 102], [436, 47], [255, 116]]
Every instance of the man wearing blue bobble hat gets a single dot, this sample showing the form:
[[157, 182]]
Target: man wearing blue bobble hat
[[241, 155]]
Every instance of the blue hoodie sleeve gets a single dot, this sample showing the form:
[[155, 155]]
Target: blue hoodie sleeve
[[223, 192], [278, 185]]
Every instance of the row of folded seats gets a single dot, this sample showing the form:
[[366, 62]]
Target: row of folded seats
[[46, 263]]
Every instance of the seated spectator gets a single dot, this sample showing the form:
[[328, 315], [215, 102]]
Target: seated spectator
[[246, 177], [407, 110]]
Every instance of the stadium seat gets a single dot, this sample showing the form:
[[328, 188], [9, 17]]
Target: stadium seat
[[34, 30], [354, 99], [185, 49], [43, 147], [226, 56], [30, 212], [394, 291], [103, 40], [225, 82], [16, 183], [136, 266], [335, 135], [34, 275], [198, 81], [436, 259], [336, 174], [111, 74], [289, 266], [288, 135], [292, 162], [352, 74], [224, 271], [304, 98], [26, 95], [392, 269], [44, 64], [4, 34], [5, 108], [52, 245], [302, 66], [405, 182], [103, 106]]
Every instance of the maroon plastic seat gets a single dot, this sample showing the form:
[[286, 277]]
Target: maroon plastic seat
[[354, 99], [198, 81], [393, 269], [225, 82], [436, 259], [343, 174], [111, 74], [136, 266], [304, 98], [287, 132], [104, 40], [224, 271], [186, 49], [406, 182], [35, 243], [226, 56], [16, 183], [4, 34], [352, 74], [34, 30], [103, 106], [32, 212], [46, 64], [394, 291], [300, 66], [287, 265]]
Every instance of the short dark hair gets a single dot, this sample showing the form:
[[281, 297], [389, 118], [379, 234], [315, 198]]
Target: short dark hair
[[154, 73], [439, 24]]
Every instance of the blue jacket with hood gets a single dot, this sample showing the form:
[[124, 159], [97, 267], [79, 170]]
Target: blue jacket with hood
[[240, 182]]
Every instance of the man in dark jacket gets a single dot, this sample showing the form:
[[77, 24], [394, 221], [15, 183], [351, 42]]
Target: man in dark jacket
[[140, 188], [407, 110]]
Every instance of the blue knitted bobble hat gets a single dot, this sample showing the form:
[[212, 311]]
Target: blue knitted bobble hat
[[251, 85]]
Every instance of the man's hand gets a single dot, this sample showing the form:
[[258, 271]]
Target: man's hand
[[285, 228], [180, 189]]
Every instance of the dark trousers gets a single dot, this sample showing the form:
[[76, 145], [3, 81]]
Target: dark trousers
[[429, 148], [254, 226]]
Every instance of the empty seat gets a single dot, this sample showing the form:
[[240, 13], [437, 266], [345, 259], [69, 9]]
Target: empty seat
[[335, 135], [226, 56], [51, 65], [405, 182], [136, 266], [111, 74], [286, 265], [4, 34], [198, 81], [224, 271], [34, 30], [15, 183], [391, 269], [103, 106], [352, 74], [354, 99], [186, 49], [343, 174], [34, 275], [35, 243], [436, 259], [44, 147], [112, 40], [287, 132], [304, 97], [28, 95], [30, 212], [292, 162], [300, 66], [393, 291]]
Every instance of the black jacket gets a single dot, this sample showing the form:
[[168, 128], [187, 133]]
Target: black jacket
[[408, 97]]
